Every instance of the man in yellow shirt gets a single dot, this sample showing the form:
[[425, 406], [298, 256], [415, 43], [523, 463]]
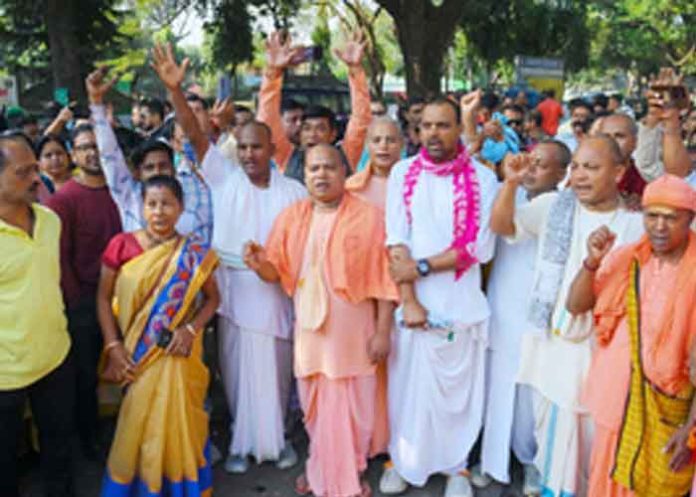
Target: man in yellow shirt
[[34, 341]]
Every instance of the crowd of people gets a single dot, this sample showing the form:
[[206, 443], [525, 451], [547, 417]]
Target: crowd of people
[[474, 273]]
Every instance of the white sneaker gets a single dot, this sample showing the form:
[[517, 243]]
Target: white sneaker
[[236, 464], [532, 481], [479, 479], [287, 457], [458, 486], [391, 482]]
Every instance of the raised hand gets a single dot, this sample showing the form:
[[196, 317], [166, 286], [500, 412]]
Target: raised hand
[[470, 102], [599, 244], [222, 113], [169, 72], [352, 52], [280, 54], [515, 167], [98, 86]]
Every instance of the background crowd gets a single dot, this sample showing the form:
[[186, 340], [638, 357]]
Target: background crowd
[[411, 283]]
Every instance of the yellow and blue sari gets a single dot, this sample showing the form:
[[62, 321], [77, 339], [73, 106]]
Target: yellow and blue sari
[[161, 445]]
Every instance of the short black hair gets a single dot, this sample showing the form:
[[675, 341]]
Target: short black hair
[[442, 100], [192, 97], [242, 108], [291, 104], [550, 93], [415, 100], [12, 135], [164, 181], [152, 145], [580, 102], [535, 116], [154, 105], [490, 100], [320, 112], [514, 108], [563, 153], [602, 100], [82, 128], [616, 96], [45, 140]]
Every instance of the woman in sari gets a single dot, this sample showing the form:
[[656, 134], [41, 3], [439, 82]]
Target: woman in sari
[[156, 294]]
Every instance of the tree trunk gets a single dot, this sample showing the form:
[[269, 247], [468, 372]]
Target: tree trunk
[[69, 68], [425, 32]]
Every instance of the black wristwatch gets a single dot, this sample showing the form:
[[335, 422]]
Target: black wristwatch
[[423, 267]]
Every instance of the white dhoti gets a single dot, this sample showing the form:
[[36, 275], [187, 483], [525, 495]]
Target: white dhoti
[[565, 443], [436, 398], [257, 374], [509, 419], [256, 352]]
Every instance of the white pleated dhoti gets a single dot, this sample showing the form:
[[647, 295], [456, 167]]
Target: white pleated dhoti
[[257, 375], [436, 399], [509, 419]]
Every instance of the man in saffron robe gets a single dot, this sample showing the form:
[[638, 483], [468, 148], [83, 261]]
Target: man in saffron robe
[[328, 253], [661, 296], [438, 204], [384, 142]]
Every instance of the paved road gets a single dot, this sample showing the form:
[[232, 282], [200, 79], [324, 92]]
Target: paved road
[[261, 481]]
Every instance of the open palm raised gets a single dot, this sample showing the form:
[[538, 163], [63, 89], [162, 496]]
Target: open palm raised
[[352, 52], [169, 72], [279, 52]]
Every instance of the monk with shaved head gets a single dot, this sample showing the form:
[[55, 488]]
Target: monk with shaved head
[[255, 317], [556, 351], [328, 254]]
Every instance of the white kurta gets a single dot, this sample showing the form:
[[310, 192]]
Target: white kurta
[[555, 363], [255, 329], [509, 416], [436, 379]]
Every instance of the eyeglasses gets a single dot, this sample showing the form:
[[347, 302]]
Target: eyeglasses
[[86, 147]]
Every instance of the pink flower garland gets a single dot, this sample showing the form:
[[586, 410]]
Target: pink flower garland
[[467, 196]]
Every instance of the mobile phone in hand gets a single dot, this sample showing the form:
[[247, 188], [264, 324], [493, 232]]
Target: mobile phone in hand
[[308, 54], [164, 338]]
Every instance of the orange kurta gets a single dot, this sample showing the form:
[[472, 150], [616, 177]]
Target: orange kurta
[[373, 190], [668, 323], [336, 380], [369, 187]]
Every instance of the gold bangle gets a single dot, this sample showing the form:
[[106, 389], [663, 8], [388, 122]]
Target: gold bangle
[[111, 345], [189, 327]]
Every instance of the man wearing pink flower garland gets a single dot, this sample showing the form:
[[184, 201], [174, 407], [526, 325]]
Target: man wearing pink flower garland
[[438, 206]]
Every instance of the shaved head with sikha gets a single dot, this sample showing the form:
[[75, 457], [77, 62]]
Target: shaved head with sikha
[[325, 175], [254, 150]]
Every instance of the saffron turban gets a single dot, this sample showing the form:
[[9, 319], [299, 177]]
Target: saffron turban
[[670, 191]]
